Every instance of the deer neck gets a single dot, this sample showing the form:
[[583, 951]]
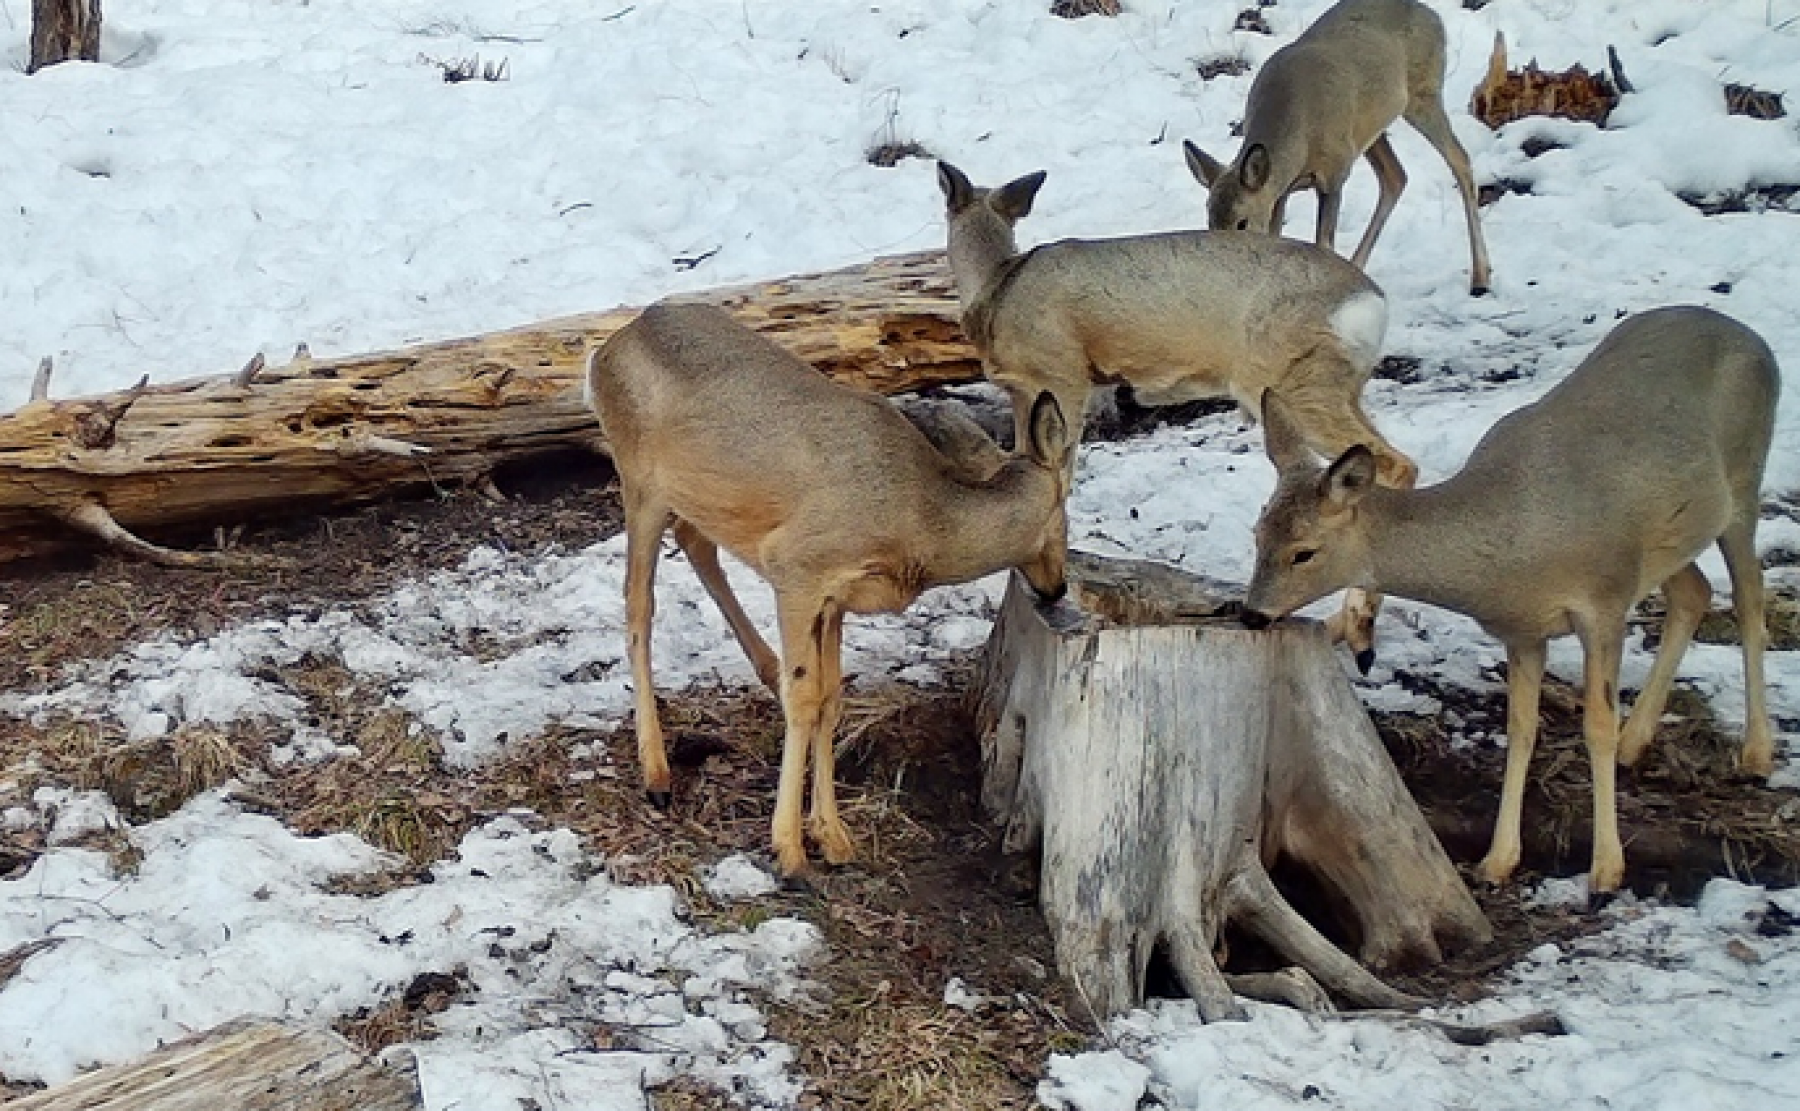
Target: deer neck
[[988, 526], [980, 246], [1443, 544]]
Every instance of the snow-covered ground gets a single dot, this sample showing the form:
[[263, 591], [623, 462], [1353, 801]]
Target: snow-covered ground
[[239, 176]]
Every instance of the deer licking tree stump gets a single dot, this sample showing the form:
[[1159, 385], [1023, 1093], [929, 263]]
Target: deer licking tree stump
[[1164, 757]]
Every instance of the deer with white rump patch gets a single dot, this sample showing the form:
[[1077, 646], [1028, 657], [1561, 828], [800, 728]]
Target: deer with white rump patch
[[828, 493], [1567, 512], [1180, 316], [1326, 98]]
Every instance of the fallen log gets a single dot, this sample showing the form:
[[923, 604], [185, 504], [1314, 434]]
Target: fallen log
[[1164, 758], [244, 1066], [269, 441]]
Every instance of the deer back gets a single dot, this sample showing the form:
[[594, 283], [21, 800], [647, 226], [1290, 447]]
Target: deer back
[[1189, 313], [796, 475]]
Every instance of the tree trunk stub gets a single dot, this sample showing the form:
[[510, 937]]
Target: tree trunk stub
[[64, 30], [315, 434], [1164, 757]]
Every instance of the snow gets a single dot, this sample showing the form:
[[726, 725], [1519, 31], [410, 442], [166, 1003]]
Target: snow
[[225, 916], [238, 177], [1662, 1011]]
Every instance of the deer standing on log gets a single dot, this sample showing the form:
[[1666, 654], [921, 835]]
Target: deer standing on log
[[1180, 316], [1567, 513], [1326, 98], [828, 493]]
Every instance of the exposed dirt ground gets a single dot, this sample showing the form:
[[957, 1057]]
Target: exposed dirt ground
[[931, 897]]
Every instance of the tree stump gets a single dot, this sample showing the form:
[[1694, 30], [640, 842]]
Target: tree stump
[[1164, 758], [62, 30]]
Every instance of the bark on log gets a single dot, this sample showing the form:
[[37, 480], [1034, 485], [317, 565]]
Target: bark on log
[[243, 1066], [62, 30], [1164, 757], [319, 433]]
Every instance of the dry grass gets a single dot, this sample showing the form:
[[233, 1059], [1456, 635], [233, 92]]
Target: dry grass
[[1076, 9], [1781, 616], [1742, 100], [1222, 65]]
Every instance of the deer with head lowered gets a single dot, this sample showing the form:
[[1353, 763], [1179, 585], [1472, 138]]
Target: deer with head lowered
[[838, 501], [1567, 512], [1326, 98], [1179, 316]]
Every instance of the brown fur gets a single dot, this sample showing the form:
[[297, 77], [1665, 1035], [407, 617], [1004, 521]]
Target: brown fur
[[1179, 316], [827, 492], [1567, 513], [1327, 98]]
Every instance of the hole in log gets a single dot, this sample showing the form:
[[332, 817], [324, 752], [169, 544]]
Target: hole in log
[[329, 420], [233, 440]]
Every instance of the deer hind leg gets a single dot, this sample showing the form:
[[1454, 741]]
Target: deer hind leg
[[1524, 682], [1739, 545], [703, 556], [1602, 642], [1325, 405], [1426, 113], [1689, 595], [645, 519], [1391, 177], [803, 621], [825, 825]]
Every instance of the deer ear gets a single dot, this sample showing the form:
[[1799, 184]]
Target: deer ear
[[1348, 479], [959, 193], [1013, 200], [1205, 168], [1049, 431], [1282, 440], [1253, 172]]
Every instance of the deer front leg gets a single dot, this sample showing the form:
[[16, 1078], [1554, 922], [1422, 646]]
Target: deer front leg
[[827, 828], [802, 697], [1739, 546], [1524, 681], [1602, 643]]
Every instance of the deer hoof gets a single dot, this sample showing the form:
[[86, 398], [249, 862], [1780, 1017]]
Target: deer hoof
[[662, 800], [1365, 660], [1478, 291]]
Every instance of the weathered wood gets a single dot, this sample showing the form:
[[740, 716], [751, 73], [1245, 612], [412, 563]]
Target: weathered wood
[[319, 433], [241, 1066], [64, 30], [1164, 757]]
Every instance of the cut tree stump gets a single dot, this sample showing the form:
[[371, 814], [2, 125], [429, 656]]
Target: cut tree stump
[[271, 441], [1164, 757], [241, 1066]]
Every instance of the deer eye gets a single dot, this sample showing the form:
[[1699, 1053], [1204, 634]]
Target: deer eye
[[1304, 555], [1243, 225]]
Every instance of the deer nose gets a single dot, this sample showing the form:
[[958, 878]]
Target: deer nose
[[1254, 619], [1055, 594]]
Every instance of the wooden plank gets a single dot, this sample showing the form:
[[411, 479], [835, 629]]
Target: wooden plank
[[241, 1066]]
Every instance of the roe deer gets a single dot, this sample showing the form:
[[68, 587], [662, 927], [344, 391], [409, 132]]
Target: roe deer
[[1327, 97], [1179, 315], [1568, 511], [827, 492]]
